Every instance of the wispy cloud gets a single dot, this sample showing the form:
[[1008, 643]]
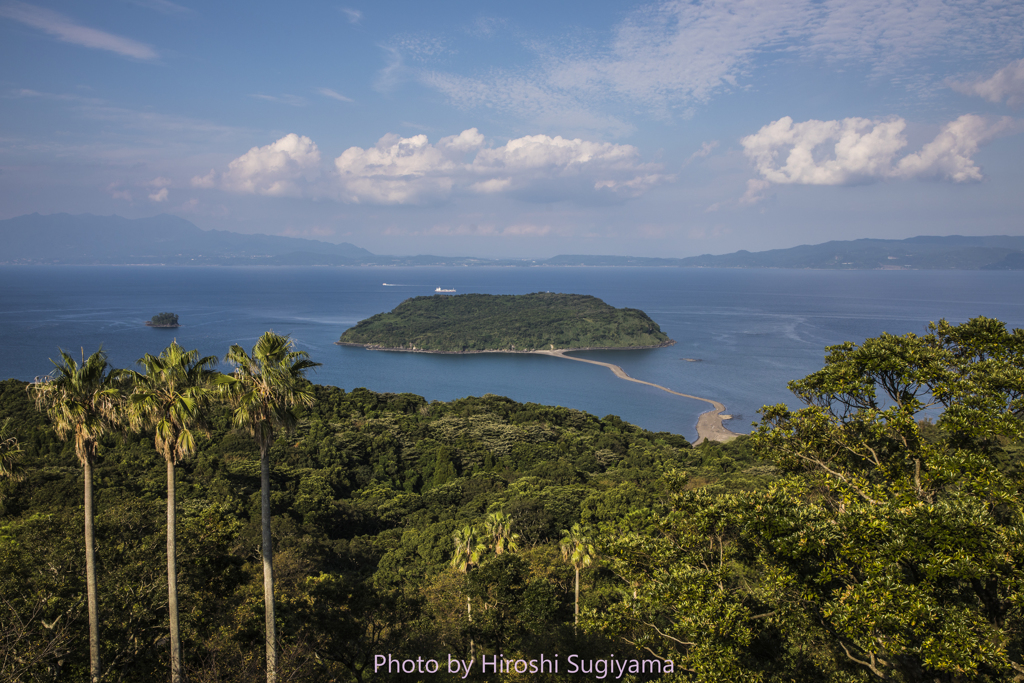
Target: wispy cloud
[[327, 92], [1005, 85], [354, 15], [63, 28], [705, 149], [391, 74], [667, 57]]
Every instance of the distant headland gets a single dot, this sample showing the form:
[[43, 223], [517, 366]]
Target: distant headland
[[510, 323]]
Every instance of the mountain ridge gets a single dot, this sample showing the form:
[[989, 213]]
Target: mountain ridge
[[87, 239]]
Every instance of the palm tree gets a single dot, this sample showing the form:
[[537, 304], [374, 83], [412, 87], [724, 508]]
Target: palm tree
[[82, 402], [498, 531], [469, 548], [266, 389], [172, 395], [578, 551], [10, 453]]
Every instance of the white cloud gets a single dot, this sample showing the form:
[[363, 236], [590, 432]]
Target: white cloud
[[279, 169], [705, 149], [327, 92], [755, 193], [160, 196], [63, 28], [1006, 85], [396, 170], [411, 170], [354, 15], [825, 152], [948, 156], [857, 150], [207, 181]]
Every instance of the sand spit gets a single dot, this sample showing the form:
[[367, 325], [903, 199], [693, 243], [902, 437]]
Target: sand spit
[[709, 424]]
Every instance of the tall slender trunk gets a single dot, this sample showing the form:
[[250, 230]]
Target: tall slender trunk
[[576, 616], [172, 579], [268, 565], [90, 578], [469, 613]]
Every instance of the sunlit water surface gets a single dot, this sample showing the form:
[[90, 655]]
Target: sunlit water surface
[[752, 330]]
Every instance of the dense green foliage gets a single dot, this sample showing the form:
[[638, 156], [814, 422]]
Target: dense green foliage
[[857, 539], [367, 494], [164, 320], [485, 322], [890, 549]]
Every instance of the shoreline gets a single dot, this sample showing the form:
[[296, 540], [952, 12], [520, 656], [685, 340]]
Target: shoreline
[[709, 423], [376, 347]]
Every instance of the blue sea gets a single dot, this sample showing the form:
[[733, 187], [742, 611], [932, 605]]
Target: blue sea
[[751, 330]]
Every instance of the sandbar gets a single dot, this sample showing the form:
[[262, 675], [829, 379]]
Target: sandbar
[[709, 424]]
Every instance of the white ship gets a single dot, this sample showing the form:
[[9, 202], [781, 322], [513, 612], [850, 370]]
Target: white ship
[[444, 291]]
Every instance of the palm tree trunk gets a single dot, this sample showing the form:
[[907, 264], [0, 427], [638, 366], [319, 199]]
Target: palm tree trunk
[[90, 578], [469, 614], [576, 616], [268, 565], [172, 578]]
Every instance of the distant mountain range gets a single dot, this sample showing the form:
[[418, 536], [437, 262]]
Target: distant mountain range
[[168, 240]]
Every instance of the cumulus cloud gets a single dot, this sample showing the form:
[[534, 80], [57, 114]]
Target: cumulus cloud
[[857, 150], [409, 170], [825, 152], [1006, 85], [160, 196], [63, 28], [412, 170], [948, 156], [396, 170], [279, 169]]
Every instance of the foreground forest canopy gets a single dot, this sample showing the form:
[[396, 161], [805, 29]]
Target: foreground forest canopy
[[852, 540], [524, 322]]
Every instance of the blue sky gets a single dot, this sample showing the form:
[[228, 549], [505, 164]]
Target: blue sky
[[521, 129]]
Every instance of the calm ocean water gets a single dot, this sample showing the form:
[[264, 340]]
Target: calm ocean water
[[753, 330]]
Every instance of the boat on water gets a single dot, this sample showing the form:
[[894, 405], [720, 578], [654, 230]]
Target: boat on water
[[444, 291]]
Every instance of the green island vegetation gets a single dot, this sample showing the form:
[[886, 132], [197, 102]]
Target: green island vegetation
[[876, 534], [526, 322], [163, 320]]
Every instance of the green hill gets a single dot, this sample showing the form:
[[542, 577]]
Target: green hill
[[484, 322]]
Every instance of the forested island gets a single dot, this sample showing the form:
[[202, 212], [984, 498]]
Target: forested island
[[163, 320], [473, 323], [849, 541]]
